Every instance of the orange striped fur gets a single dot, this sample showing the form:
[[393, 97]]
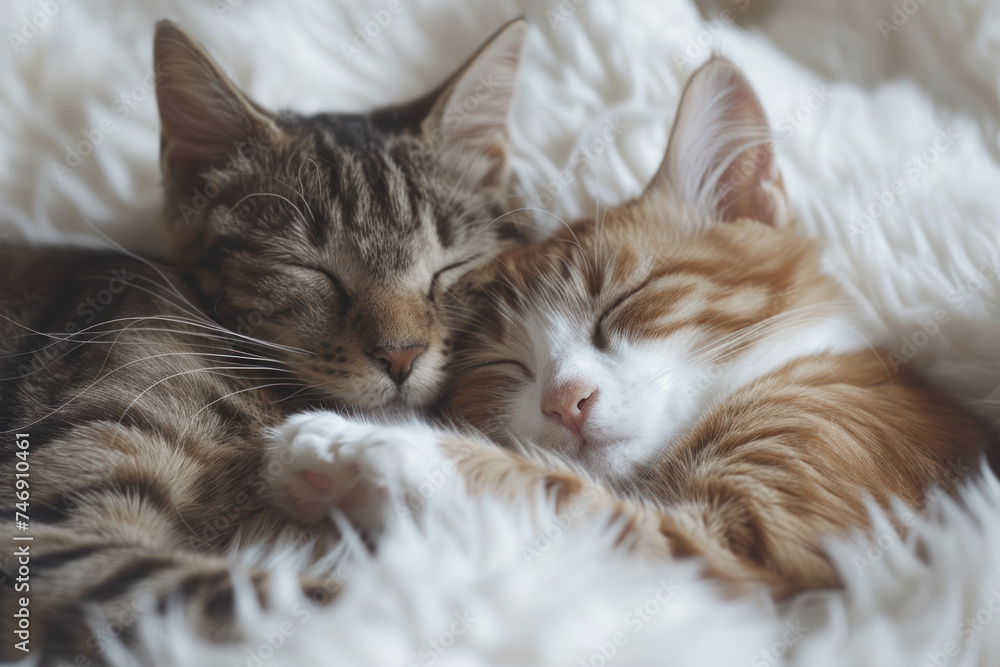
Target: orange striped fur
[[777, 421]]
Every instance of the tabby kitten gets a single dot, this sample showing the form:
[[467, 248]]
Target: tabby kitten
[[682, 362], [330, 246]]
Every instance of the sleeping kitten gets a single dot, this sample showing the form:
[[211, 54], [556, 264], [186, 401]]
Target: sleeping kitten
[[331, 246], [340, 232], [682, 362]]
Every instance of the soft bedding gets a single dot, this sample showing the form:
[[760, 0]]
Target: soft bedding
[[887, 118]]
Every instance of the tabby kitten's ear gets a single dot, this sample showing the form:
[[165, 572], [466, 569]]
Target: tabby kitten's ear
[[720, 158], [205, 118], [469, 111]]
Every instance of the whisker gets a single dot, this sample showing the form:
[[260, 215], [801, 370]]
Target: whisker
[[126, 365], [270, 194], [235, 334], [241, 391], [140, 259], [214, 370], [68, 338]]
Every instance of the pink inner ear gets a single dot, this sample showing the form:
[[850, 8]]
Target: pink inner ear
[[204, 116], [751, 187], [720, 159], [471, 115]]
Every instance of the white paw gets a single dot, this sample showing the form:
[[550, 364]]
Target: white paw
[[321, 461]]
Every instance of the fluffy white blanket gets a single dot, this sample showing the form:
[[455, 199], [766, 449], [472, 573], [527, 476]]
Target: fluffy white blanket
[[887, 118]]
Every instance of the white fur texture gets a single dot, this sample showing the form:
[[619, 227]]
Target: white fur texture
[[633, 399], [364, 467], [855, 114]]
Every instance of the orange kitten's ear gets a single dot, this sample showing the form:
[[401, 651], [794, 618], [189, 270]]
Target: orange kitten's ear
[[469, 112], [205, 118], [720, 158]]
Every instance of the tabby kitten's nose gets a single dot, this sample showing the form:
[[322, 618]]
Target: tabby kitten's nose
[[398, 361], [569, 403]]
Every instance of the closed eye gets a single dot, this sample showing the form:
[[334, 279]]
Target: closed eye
[[598, 338], [437, 276], [506, 362], [345, 298]]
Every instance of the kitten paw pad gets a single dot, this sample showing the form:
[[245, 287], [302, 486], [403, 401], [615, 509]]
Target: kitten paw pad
[[323, 461]]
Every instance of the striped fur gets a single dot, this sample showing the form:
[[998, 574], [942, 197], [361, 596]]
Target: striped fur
[[303, 247], [338, 234], [721, 403]]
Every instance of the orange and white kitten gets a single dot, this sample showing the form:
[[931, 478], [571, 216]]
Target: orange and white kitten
[[683, 362]]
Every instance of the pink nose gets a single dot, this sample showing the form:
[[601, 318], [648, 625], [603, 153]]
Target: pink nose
[[570, 404], [398, 361]]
